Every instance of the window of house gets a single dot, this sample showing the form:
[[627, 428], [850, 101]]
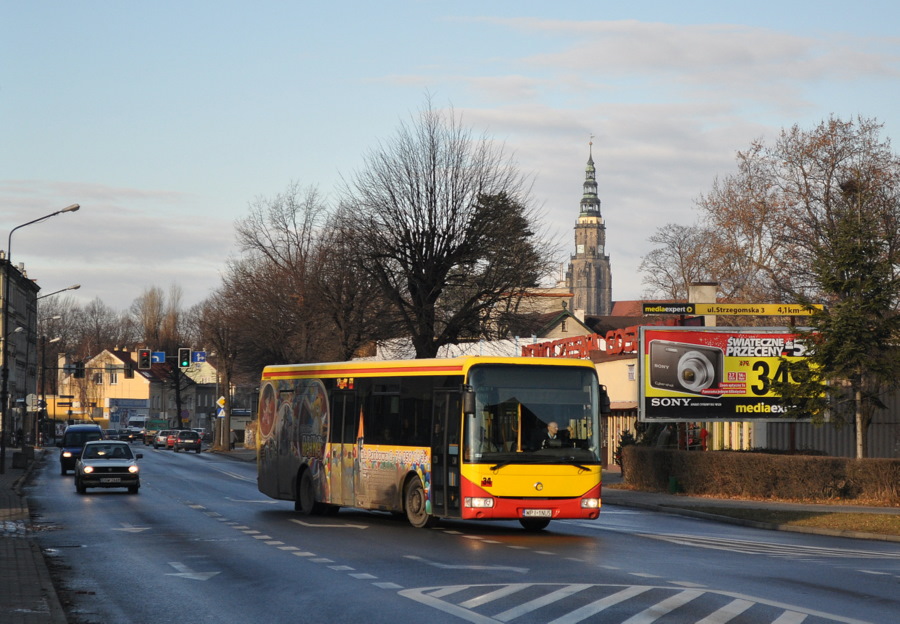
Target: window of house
[[113, 377], [631, 372], [565, 325], [98, 379]]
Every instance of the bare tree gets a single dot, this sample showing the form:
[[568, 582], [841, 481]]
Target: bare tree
[[98, 327], [171, 328], [277, 276], [444, 227], [683, 256], [148, 311], [219, 331], [354, 304]]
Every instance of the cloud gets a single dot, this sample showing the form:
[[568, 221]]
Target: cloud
[[121, 241]]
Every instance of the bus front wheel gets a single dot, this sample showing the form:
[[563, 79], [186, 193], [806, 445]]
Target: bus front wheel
[[305, 500], [414, 500]]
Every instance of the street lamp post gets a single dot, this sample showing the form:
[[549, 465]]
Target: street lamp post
[[4, 374], [56, 292], [43, 404]]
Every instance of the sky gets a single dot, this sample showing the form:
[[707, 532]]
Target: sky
[[166, 120]]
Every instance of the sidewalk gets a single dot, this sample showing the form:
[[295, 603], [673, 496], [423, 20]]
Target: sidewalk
[[27, 595]]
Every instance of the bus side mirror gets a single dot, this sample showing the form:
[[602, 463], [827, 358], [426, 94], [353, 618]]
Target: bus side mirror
[[468, 402], [605, 406]]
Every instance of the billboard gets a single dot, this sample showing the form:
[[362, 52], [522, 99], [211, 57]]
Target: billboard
[[704, 374]]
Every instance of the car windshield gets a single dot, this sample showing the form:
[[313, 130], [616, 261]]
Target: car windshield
[[78, 438], [107, 451]]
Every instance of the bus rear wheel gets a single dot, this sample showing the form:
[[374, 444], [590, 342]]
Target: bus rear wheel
[[534, 524], [305, 500], [415, 503]]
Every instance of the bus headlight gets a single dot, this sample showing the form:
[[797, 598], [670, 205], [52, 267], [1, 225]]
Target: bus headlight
[[590, 503], [478, 503]]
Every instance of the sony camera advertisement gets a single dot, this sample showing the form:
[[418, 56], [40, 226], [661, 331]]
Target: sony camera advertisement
[[703, 374]]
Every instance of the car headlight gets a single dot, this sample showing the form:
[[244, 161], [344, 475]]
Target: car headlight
[[87, 469], [476, 502], [590, 503], [133, 469], [67, 454]]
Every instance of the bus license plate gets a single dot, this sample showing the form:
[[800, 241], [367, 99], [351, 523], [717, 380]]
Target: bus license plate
[[110, 480], [537, 513]]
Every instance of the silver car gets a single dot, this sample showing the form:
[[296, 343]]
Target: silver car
[[161, 438], [107, 464]]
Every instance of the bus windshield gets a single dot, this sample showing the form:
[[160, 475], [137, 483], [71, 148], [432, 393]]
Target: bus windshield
[[533, 414]]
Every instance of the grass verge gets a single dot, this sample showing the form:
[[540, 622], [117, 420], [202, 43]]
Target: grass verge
[[882, 524]]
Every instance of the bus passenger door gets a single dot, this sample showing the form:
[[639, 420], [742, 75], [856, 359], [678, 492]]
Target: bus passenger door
[[445, 453], [343, 446]]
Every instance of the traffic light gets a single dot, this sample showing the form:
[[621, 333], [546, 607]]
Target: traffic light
[[184, 358], [144, 358]]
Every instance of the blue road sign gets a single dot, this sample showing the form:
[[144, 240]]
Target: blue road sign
[[158, 357], [198, 356]]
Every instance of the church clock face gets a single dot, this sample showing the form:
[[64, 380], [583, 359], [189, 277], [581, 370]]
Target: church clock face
[[580, 248]]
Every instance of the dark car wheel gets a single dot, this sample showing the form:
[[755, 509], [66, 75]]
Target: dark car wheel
[[78, 487]]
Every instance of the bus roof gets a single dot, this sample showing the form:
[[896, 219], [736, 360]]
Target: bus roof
[[423, 367]]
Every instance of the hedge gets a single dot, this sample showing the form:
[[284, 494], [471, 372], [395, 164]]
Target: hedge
[[730, 474]]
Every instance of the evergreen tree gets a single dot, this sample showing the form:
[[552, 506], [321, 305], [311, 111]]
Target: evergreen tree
[[853, 358]]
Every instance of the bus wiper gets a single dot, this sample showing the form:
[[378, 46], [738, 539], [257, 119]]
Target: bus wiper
[[571, 461], [524, 459]]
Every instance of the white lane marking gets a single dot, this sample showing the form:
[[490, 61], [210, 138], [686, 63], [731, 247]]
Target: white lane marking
[[129, 528], [447, 566], [789, 551], [187, 573], [342, 525]]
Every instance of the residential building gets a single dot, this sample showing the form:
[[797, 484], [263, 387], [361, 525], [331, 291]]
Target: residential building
[[19, 345], [109, 389]]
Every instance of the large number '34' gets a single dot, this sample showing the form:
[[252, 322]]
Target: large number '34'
[[765, 379]]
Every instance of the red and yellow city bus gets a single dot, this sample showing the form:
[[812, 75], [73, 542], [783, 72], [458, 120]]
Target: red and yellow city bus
[[434, 438]]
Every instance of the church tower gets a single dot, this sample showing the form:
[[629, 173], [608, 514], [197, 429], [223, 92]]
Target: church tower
[[589, 277]]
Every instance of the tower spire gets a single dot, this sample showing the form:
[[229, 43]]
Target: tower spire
[[590, 203]]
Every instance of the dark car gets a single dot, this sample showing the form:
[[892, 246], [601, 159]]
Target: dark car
[[107, 464], [131, 435], [187, 440], [74, 439]]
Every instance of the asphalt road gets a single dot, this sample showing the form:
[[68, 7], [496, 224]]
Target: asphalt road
[[201, 542]]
